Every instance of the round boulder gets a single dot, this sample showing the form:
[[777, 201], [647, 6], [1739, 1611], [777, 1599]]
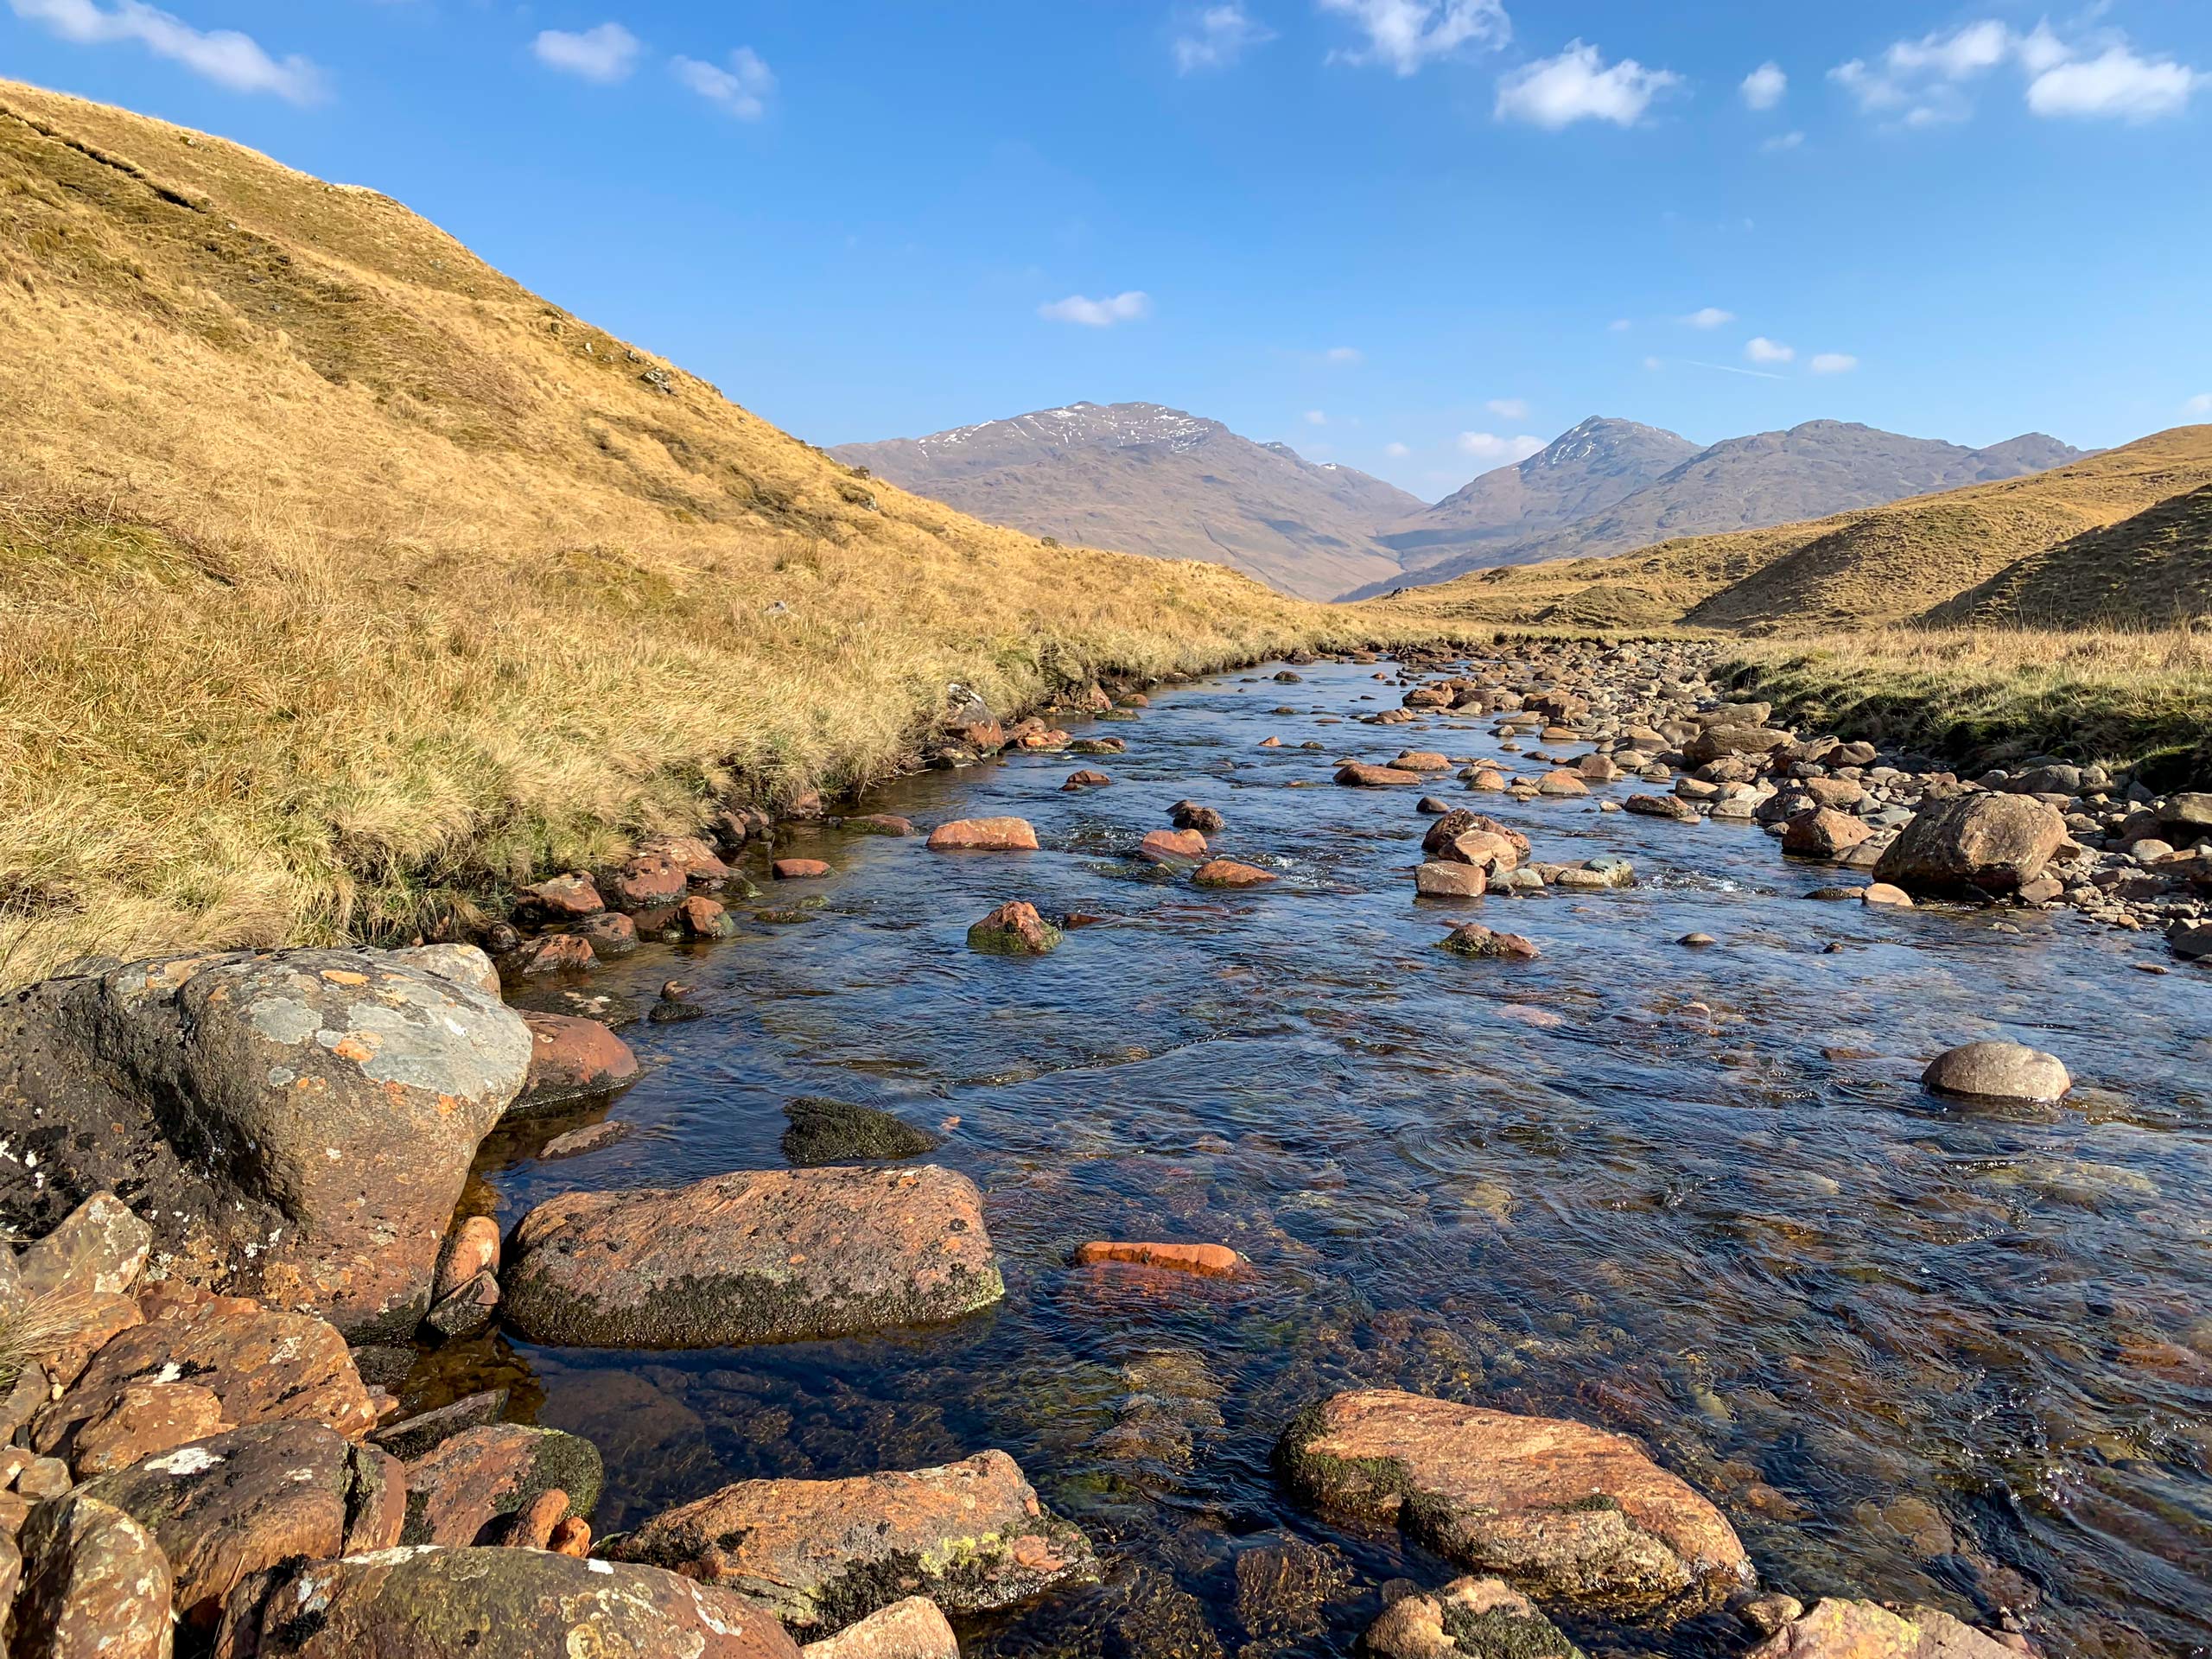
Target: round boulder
[[1997, 1070], [1984, 842]]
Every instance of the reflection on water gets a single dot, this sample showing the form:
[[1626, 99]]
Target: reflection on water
[[1915, 1353]]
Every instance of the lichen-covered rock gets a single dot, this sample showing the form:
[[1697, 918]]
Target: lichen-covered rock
[[1014, 929], [1469, 1618], [571, 1057], [1997, 1070], [822, 1554], [913, 1629], [297, 1124], [1977, 843], [1564, 1512], [98, 1249], [224, 1507], [145, 1420], [462, 1488], [1473, 939], [263, 1365], [427, 1603], [1837, 1628], [95, 1585], [769, 1256], [837, 1132]]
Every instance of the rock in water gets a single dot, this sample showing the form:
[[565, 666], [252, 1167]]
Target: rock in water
[[320, 1106], [773, 1255], [912, 1629], [1982, 843], [1469, 1618], [1563, 1512], [471, 1480], [822, 1553], [1473, 939], [1861, 1629], [1995, 1070], [835, 1132], [95, 1585], [984, 835], [1014, 930], [427, 1603]]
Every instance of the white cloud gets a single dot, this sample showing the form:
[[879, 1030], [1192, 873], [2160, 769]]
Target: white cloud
[[1619, 326], [1316, 417], [1711, 317], [222, 55], [1499, 452], [1216, 38], [1923, 83], [1781, 141], [1654, 363], [1508, 408], [1350, 355], [1763, 350], [1403, 35], [1834, 362], [2200, 404], [1399, 452], [1764, 87], [1579, 86], [605, 55], [742, 89], [1131, 307], [2117, 83]]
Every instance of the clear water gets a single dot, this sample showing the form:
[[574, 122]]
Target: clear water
[[1914, 1351]]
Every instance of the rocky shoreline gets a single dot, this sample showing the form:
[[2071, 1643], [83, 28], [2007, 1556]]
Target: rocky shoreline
[[237, 1183]]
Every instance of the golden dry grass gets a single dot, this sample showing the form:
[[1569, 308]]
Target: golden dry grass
[[342, 579], [2141, 699]]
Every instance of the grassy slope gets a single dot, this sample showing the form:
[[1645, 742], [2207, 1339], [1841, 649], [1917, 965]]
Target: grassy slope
[[1883, 564], [340, 577], [2157, 565]]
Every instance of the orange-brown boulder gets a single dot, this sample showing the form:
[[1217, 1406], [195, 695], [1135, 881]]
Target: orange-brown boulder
[[984, 835]]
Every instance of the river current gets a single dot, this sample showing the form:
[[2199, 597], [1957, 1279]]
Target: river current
[[1914, 1350]]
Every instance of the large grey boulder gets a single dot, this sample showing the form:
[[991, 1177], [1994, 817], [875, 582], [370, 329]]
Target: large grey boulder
[[1976, 842], [294, 1125]]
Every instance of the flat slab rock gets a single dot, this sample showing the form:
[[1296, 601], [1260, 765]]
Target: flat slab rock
[[1565, 1513], [822, 1554], [417, 1601], [761, 1255], [1836, 1629]]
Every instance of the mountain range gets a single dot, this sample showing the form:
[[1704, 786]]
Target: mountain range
[[1148, 479]]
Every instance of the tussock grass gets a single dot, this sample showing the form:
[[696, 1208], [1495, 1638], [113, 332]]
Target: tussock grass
[[343, 582], [1989, 696]]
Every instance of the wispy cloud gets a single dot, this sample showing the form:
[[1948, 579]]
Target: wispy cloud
[[222, 55], [1499, 452], [1508, 408], [1399, 451], [2200, 404], [606, 54], [1760, 349], [1711, 317], [1131, 307], [1765, 87], [1834, 362], [1348, 356], [1579, 85], [742, 89], [1619, 326], [1403, 35], [1782, 140], [1317, 417], [1216, 38], [1925, 83]]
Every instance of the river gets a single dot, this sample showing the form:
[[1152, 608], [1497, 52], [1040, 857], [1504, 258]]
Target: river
[[1914, 1351]]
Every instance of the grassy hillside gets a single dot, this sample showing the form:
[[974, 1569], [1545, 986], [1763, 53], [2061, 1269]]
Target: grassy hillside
[[2156, 565], [341, 577], [1855, 569]]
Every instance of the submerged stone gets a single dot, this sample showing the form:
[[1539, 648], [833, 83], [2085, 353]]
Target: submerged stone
[[837, 1132]]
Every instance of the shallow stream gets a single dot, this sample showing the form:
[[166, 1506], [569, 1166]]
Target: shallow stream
[[1914, 1351]]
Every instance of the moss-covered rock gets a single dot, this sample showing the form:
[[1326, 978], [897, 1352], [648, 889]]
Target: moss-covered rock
[[837, 1132]]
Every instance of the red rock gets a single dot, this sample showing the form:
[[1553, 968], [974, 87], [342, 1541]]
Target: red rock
[[1836, 1629], [702, 919], [1450, 881], [491, 1604], [805, 807], [1227, 873], [1564, 1512], [98, 1249], [142, 1420], [571, 1057], [1663, 806], [95, 1585], [1420, 761], [1823, 833], [1172, 845], [1508, 846], [609, 934], [1208, 1261], [647, 882], [984, 835], [1354, 774], [1086, 779], [1052, 739], [798, 869], [971, 1535], [571, 1537], [1014, 929], [563, 898], [225, 1508], [465, 1489], [912, 1629], [1271, 742], [1973, 842], [531, 1526], [1559, 781], [263, 1364], [1597, 769], [880, 823], [701, 865], [1189, 815], [555, 953], [472, 1247]]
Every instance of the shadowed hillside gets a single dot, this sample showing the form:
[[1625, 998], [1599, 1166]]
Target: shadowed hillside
[[1855, 570], [2155, 567], [341, 577]]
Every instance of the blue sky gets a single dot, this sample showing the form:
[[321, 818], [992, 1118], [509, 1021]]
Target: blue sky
[[1405, 234]]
